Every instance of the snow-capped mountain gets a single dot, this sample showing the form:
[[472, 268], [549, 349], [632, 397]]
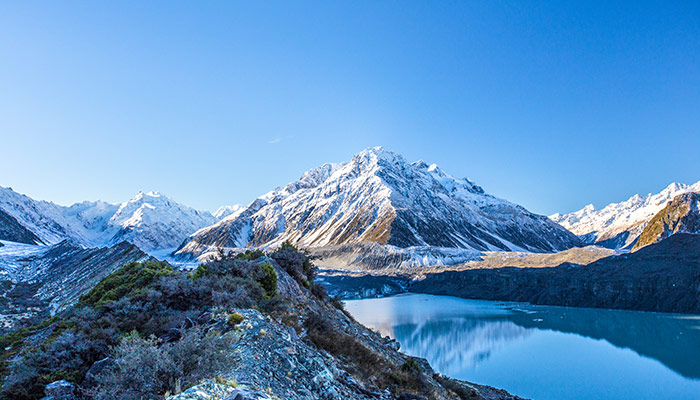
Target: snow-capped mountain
[[47, 220], [681, 215], [151, 220], [378, 197], [224, 211], [619, 225]]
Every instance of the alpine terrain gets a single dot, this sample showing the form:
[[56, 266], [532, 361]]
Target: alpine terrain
[[619, 225], [380, 198], [681, 215], [150, 220]]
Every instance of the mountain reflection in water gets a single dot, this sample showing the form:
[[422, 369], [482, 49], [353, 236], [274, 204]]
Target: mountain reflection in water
[[457, 343], [486, 341]]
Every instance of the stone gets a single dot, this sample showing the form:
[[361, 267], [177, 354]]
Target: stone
[[97, 368], [410, 396], [245, 394], [60, 390]]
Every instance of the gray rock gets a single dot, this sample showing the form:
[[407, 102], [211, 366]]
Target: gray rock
[[245, 394], [60, 390], [410, 396], [98, 368]]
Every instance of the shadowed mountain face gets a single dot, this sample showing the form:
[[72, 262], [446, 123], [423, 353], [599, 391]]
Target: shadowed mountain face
[[661, 277], [681, 215], [378, 197], [11, 230]]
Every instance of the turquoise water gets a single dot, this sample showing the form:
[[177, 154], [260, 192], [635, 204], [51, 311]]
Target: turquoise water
[[544, 352]]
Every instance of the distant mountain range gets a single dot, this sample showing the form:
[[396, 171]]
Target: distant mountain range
[[379, 197], [375, 203], [619, 225], [376, 212], [151, 221]]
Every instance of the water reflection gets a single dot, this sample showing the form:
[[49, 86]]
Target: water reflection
[[457, 343], [520, 347]]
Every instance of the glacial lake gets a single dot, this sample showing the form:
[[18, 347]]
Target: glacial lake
[[545, 353]]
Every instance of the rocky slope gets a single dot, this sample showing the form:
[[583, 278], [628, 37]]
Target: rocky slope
[[13, 231], [681, 215], [39, 281], [150, 220], [662, 277], [619, 225], [378, 197]]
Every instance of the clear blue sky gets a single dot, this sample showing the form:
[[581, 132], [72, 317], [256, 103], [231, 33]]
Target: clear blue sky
[[552, 105]]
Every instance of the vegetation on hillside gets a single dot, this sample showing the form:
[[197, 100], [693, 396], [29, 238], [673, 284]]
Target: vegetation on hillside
[[147, 318]]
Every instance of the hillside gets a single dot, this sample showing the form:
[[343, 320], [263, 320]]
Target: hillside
[[11, 230], [681, 215], [39, 281]]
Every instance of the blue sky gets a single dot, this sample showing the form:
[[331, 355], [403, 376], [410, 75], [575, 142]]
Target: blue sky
[[552, 105]]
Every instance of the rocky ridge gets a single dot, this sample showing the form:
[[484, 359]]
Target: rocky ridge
[[44, 280]]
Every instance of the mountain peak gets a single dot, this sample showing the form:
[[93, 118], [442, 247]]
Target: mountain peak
[[374, 155], [378, 197]]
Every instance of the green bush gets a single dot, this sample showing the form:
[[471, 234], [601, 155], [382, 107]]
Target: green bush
[[250, 255], [202, 270], [411, 366], [235, 319], [268, 281], [288, 246], [125, 281]]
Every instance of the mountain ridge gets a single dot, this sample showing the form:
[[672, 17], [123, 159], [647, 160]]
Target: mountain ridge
[[619, 225], [379, 197], [150, 220]]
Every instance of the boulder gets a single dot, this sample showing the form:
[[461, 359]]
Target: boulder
[[60, 390]]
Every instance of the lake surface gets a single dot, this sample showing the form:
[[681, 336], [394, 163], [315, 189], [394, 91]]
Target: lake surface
[[544, 352]]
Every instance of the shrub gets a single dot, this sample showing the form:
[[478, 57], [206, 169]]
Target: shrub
[[235, 319], [250, 255], [144, 370], [288, 246], [268, 280], [66, 357], [362, 360], [411, 366], [202, 270], [125, 281], [297, 265]]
